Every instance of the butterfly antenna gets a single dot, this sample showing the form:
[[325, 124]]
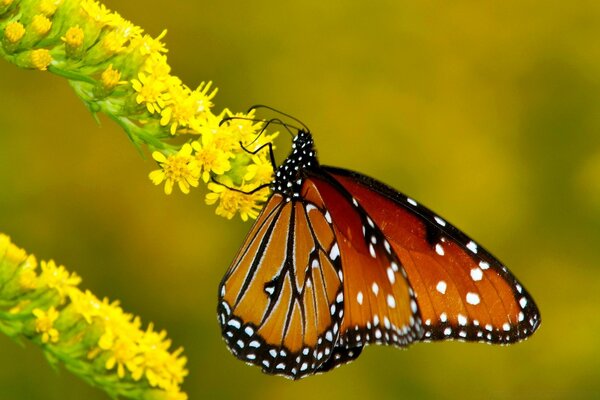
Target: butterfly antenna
[[279, 112], [275, 121]]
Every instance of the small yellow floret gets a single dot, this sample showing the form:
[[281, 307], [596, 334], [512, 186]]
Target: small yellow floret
[[110, 78], [44, 324], [14, 31], [14, 254], [48, 7], [40, 59], [6, 3], [73, 37], [180, 168], [211, 159], [150, 91], [41, 24], [233, 201], [58, 278], [114, 42]]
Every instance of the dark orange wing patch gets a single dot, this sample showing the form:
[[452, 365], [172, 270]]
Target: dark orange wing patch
[[462, 291]]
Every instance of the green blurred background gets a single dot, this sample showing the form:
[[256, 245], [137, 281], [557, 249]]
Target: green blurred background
[[489, 114]]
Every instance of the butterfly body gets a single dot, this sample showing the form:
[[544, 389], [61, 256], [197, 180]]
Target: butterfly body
[[338, 260]]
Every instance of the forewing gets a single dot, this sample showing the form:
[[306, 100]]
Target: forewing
[[280, 301]]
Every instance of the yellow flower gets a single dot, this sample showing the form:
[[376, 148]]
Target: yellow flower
[[73, 37], [14, 254], [41, 24], [222, 135], [260, 171], [122, 355], [85, 303], [180, 168], [44, 324], [40, 59], [111, 78], [149, 45], [96, 11], [210, 158], [57, 278], [14, 31], [48, 7], [28, 279], [186, 107], [6, 3], [150, 91], [114, 42], [232, 201], [157, 66], [160, 367]]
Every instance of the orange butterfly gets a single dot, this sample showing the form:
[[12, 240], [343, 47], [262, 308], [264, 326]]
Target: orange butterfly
[[337, 260]]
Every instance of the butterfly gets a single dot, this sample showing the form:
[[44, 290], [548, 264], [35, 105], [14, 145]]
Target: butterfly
[[337, 260]]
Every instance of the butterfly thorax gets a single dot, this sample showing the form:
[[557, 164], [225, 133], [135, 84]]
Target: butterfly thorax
[[291, 174]]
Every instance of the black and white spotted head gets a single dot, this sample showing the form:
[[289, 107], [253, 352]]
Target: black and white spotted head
[[291, 174]]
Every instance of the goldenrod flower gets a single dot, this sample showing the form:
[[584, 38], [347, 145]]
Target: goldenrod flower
[[48, 7], [40, 59], [58, 278], [41, 24], [14, 31], [180, 168], [111, 78], [96, 339], [260, 170], [114, 41], [232, 201], [211, 158], [149, 45], [118, 69], [44, 324], [150, 91], [73, 40]]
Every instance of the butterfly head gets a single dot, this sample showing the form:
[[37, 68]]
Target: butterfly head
[[291, 173]]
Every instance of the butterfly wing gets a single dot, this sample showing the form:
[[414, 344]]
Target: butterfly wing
[[380, 306], [462, 291], [281, 301]]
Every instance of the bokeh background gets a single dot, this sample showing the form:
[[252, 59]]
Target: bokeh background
[[489, 114]]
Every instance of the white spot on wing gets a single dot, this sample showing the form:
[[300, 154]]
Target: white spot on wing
[[523, 302], [391, 275], [372, 250], [441, 287], [310, 207], [439, 221], [472, 298], [391, 302], [476, 274], [359, 297], [335, 252], [472, 246], [411, 201], [439, 249], [375, 288]]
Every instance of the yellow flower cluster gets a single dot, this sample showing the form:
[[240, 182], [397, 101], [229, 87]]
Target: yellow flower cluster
[[94, 338], [118, 69]]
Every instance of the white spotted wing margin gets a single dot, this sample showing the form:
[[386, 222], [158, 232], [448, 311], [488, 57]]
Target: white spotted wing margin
[[281, 302]]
